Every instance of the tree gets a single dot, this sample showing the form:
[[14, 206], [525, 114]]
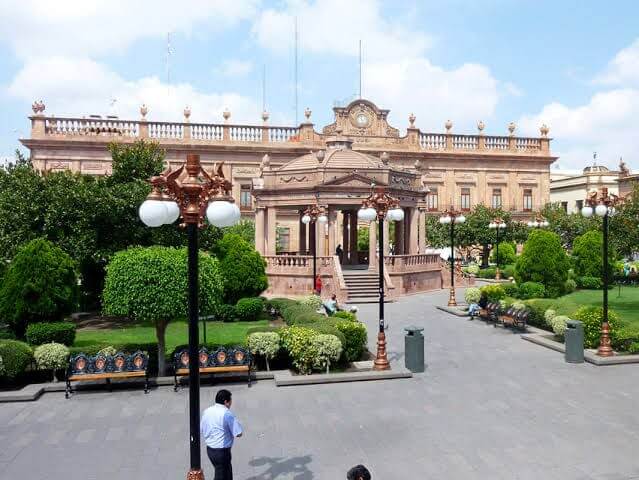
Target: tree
[[244, 228], [568, 225], [624, 234], [139, 161], [150, 285], [506, 254], [587, 252], [242, 267], [39, 285], [543, 260], [362, 239]]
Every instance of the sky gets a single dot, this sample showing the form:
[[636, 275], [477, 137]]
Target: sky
[[573, 65]]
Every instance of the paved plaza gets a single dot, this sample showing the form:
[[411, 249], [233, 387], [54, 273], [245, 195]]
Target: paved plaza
[[489, 405]]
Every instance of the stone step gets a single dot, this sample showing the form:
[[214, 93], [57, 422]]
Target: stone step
[[360, 290], [367, 285]]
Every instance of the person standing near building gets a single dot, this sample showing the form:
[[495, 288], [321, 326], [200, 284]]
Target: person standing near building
[[219, 427]]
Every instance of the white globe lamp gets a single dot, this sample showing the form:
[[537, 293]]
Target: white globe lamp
[[153, 213], [601, 210], [367, 214], [173, 211], [586, 211], [460, 219], [220, 213], [444, 220], [322, 218], [306, 219]]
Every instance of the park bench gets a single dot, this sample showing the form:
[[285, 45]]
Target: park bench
[[489, 314], [515, 318], [222, 360], [84, 368]]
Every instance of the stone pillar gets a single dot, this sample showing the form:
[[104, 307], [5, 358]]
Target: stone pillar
[[345, 222], [271, 229], [321, 238], [372, 246], [302, 240], [398, 244], [259, 230], [332, 232], [312, 237], [353, 235], [422, 230], [414, 232]]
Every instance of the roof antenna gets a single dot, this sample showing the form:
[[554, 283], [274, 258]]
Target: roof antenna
[[264, 88], [296, 123], [168, 63], [360, 69], [594, 158]]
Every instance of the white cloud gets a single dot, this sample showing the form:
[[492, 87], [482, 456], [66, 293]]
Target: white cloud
[[89, 27], [512, 89], [235, 68], [73, 87], [623, 69]]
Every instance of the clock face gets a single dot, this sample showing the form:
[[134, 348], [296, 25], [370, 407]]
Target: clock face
[[362, 120]]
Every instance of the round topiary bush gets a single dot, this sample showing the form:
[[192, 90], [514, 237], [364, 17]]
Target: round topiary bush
[[543, 260], [297, 341], [40, 284], [589, 283], [531, 290], [558, 324], [54, 332], [472, 295], [51, 356], [248, 309], [266, 344], [591, 317], [511, 289], [472, 269], [506, 254], [16, 356], [312, 301], [327, 350], [570, 286], [549, 315], [345, 315], [493, 292], [227, 313], [356, 337], [587, 252]]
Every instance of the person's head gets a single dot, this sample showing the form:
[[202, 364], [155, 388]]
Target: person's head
[[333, 297], [358, 472], [484, 295], [223, 397]]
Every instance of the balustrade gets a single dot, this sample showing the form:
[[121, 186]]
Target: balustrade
[[496, 143], [465, 142], [282, 134], [528, 144], [245, 134], [398, 263], [166, 130], [76, 126], [432, 141], [204, 131]]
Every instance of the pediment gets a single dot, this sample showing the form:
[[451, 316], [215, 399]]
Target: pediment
[[354, 179]]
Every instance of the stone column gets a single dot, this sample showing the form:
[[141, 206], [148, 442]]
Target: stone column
[[312, 237], [422, 230], [353, 235], [321, 238], [332, 232], [386, 239], [345, 222], [271, 229], [414, 232], [398, 244], [372, 246], [302, 237], [259, 230]]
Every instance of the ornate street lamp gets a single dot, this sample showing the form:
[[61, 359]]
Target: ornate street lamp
[[380, 205], [451, 217], [538, 222], [311, 215], [497, 224], [602, 204], [191, 193]]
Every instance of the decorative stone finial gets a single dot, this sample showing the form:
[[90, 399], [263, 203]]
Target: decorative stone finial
[[411, 119], [38, 107], [339, 131], [226, 114], [384, 158], [265, 116], [320, 154], [187, 112], [266, 162], [143, 111], [480, 126], [448, 126], [307, 114], [544, 130], [418, 164], [512, 127]]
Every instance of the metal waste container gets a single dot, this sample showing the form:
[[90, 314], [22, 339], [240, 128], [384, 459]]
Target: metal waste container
[[414, 349], [574, 341]]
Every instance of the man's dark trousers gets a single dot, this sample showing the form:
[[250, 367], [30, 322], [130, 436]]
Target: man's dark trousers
[[221, 460]]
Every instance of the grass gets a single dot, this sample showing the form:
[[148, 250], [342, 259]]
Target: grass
[[625, 305], [220, 333]]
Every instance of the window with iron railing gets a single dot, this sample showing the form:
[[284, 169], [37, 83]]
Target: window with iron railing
[[246, 200], [496, 202], [465, 199], [432, 200], [528, 200]]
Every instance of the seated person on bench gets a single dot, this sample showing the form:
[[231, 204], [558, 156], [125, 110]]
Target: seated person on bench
[[331, 305], [474, 308]]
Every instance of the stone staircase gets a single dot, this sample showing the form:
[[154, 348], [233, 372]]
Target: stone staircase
[[362, 285]]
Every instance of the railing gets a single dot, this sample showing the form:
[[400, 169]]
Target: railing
[[496, 143], [424, 261], [83, 126], [166, 130], [432, 141], [525, 143], [282, 134], [245, 134], [465, 142], [296, 262], [207, 131]]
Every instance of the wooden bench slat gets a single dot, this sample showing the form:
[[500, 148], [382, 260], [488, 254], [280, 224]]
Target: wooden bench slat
[[102, 376]]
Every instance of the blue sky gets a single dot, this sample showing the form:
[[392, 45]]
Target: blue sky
[[573, 65]]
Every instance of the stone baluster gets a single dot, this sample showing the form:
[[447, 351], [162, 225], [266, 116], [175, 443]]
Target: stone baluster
[[512, 141], [186, 131], [481, 143], [144, 125], [449, 135]]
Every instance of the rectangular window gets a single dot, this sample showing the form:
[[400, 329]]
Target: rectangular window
[[246, 202], [528, 200], [579, 205], [496, 198], [432, 199], [283, 241], [564, 205], [465, 199]]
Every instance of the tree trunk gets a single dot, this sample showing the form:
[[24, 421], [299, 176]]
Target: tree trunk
[[484, 255], [160, 330]]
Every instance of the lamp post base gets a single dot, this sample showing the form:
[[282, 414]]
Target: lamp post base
[[452, 302], [195, 475], [605, 349], [381, 360], [497, 274]]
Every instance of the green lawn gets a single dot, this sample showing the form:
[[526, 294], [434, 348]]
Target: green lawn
[[626, 305], [176, 334]]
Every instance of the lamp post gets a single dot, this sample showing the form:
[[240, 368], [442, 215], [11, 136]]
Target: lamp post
[[311, 215], [538, 222], [602, 204], [497, 224], [380, 205], [451, 217], [191, 193]]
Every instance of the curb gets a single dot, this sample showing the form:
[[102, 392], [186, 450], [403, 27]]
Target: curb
[[285, 378]]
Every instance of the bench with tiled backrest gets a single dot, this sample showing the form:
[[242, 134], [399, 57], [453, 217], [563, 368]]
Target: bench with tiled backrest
[[516, 318], [220, 360], [84, 368], [489, 313]]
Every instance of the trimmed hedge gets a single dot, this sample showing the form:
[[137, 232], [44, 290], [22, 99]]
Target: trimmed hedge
[[227, 313], [493, 292], [345, 315], [356, 338], [53, 332], [529, 290], [589, 283], [248, 309], [591, 318], [16, 357], [511, 289]]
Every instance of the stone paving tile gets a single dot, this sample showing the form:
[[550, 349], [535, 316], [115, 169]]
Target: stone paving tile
[[489, 405]]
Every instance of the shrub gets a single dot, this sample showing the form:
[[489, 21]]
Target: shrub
[[543, 260], [243, 268], [589, 283], [312, 301], [327, 327], [506, 254], [531, 290], [493, 292], [356, 338], [1, 367], [537, 308], [107, 351], [227, 313], [54, 332], [265, 328], [587, 252], [508, 271], [40, 284], [487, 272], [248, 309], [345, 315], [306, 318], [591, 318], [279, 304], [510, 289], [472, 295], [327, 349], [549, 315], [297, 341], [266, 344], [570, 285], [472, 269], [51, 356], [16, 356], [150, 284], [558, 324], [626, 337], [519, 305]]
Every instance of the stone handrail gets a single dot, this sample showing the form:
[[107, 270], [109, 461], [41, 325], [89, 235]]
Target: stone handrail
[[186, 132], [420, 262]]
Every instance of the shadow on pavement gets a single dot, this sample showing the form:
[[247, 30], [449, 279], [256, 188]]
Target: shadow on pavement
[[295, 468]]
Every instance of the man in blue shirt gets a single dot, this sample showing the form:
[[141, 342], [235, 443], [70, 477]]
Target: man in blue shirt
[[219, 427]]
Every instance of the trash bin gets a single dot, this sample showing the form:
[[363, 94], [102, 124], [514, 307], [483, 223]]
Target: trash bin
[[414, 349], [574, 341]]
